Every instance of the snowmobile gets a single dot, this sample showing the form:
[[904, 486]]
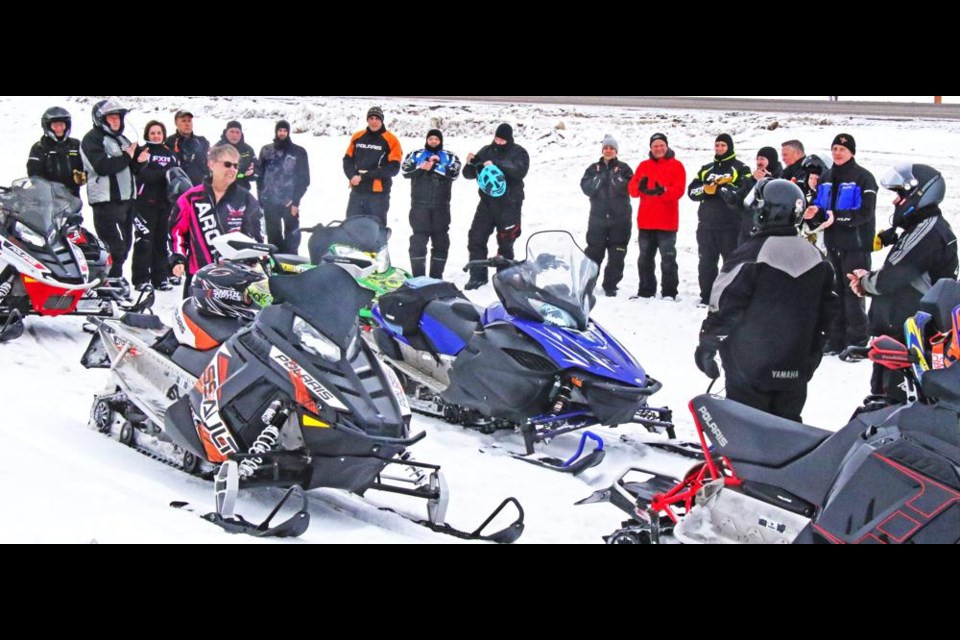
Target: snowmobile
[[49, 264], [889, 476], [534, 361], [292, 399]]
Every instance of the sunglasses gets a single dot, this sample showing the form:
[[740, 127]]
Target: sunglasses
[[231, 165]]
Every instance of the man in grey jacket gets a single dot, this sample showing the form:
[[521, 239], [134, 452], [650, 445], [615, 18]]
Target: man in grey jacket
[[107, 157]]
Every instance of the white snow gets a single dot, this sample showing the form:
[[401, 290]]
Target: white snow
[[63, 482]]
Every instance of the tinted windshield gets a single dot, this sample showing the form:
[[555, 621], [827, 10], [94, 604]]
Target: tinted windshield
[[556, 278], [363, 233], [39, 204]]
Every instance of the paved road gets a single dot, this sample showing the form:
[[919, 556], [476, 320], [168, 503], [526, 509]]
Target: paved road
[[885, 109]]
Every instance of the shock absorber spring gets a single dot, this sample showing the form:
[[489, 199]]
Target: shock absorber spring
[[5, 289], [273, 418]]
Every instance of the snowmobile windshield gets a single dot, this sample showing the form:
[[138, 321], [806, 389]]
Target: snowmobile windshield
[[554, 285], [360, 241], [327, 298], [41, 205]]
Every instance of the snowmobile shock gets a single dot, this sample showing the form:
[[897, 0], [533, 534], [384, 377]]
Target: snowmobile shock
[[275, 415]]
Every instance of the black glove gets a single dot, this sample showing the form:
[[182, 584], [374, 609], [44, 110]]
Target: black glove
[[888, 237], [657, 190], [706, 362], [729, 196], [642, 185]]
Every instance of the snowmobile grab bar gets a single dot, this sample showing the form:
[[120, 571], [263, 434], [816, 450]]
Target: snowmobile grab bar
[[68, 287], [496, 261], [406, 442]]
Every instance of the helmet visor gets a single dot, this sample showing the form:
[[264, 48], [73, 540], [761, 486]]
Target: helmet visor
[[899, 178]]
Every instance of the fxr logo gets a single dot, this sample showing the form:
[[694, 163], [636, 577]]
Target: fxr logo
[[712, 426]]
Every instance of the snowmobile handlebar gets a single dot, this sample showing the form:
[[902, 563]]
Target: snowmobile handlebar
[[498, 262]]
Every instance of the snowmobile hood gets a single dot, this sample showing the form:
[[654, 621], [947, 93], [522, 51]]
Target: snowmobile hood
[[593, 350]]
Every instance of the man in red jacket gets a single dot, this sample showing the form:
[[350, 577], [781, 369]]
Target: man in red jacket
[[659, 182]]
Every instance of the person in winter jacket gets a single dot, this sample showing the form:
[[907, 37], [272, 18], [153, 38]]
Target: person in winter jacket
[[108, 158], [233, 135], [191, 150], [56, 157], [845, 206], [793, 154], [770, 308], [924, 252], [372, 160], [282, 181], [431, 172], [152, 209], [605, 183], [659, 183], [768, 166], [209, 210], [719, 222], [499, 169]]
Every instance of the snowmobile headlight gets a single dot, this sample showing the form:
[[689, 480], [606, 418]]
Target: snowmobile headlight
[[28, 235], [553, 315], [383, 260], [315, 342]]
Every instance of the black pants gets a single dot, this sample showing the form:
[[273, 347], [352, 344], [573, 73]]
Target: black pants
[[283, 228], [430, 225], [113, 222], [712, 245], [150, 258], [785, 403], [364, 203], [650, 242], [493, 214], [187, 280], [607, 235], [850, 325]]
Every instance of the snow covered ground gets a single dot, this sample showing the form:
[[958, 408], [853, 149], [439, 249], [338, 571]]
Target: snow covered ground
[[62, 482]]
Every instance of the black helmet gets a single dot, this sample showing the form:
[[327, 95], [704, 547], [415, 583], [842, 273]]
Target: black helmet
[[104, 108], [178, 183], [918, 185], [55, 114], [224, 290], [777, 203], [813, 164]]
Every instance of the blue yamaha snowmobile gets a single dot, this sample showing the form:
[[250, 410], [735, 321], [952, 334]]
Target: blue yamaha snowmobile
[[533, 361]]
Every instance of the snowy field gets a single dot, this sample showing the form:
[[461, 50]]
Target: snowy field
[[63, 482]]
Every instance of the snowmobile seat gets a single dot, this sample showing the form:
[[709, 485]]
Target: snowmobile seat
[[459, 315], [191, 360], [745, 434], [217, 329], [142, 321]]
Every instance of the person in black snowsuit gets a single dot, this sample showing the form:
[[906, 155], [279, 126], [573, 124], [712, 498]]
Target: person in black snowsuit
[[56, 157], [924, 252], [846, 204], [152, 210], [500, 213], [371, 161], [233, 135], [718, 226], [605, 182], [191, 150], [770, 308], [282, 180], [431, 172], [108, 158]]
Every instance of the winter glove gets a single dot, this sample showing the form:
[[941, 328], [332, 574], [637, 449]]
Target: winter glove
[[710, 188], [657, 190], [885, 239], [79, 177], [729, 196], [706, 362], [642, 185], [722, 180]]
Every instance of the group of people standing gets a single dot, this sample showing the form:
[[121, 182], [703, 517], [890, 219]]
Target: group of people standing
[[134, 196]]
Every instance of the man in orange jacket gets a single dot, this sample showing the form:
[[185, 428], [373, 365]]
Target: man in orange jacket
[[659, 182]]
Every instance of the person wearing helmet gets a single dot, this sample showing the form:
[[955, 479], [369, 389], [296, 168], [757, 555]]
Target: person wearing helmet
[[501, 198], [152, 209], [372, 159], [605, 182], [207, 211], [714, 186], [56, 157], [108, 158], [924, 252], [431, 172], [770, 308], [845, 208]]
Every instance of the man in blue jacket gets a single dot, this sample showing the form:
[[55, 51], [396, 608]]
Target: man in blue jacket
[[846, 203]]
